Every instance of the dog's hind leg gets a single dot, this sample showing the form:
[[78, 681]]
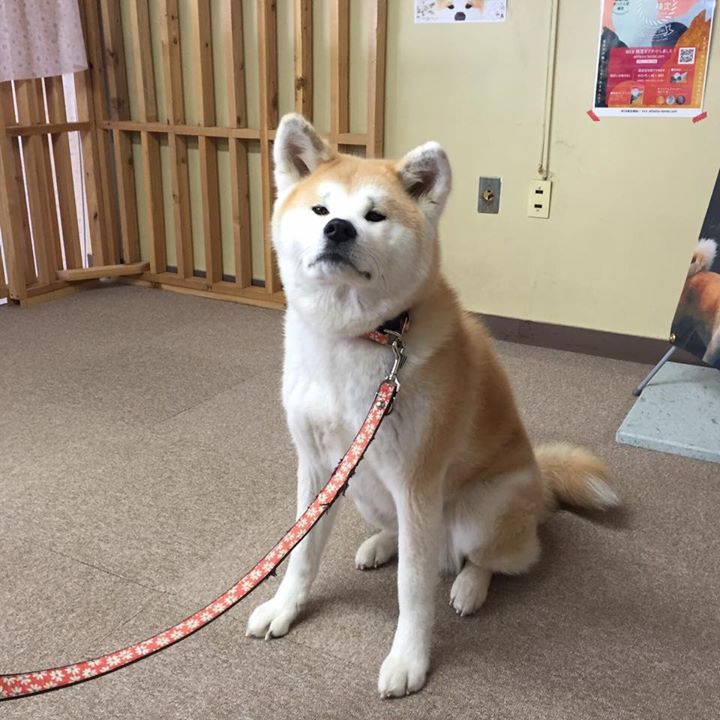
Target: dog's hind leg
[[377, 507], [470, 589]]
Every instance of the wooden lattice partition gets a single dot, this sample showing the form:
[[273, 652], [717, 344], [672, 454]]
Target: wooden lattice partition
[[145, 155]]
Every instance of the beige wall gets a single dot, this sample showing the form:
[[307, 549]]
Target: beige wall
[[629, 195]]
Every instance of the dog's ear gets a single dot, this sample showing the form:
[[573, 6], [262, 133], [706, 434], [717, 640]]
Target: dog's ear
[[426, 176], [297, 151]]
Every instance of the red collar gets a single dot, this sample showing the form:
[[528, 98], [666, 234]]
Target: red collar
[[391, 330]]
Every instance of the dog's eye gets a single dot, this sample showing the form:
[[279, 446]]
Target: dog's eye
[[451, 7], [373, 216], [320, 210], [468, 6]]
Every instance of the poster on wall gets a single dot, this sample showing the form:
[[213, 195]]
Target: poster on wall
[[460, 11], [652, 57], [696, 325]]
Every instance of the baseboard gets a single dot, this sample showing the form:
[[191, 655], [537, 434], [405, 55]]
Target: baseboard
[[581, 340]]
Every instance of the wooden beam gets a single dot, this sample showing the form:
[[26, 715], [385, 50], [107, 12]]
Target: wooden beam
[[57, 113], [142, 52], [47, 128], [304, 58], [14, 167], [11, 213], [126, 196], [267, 39], [101, 271], [240, 192], [172, 63], [376, 80], [180, 179], [114, 56], [205, 83], [232, 27], [39, 182], [154, 211], [339, 69]]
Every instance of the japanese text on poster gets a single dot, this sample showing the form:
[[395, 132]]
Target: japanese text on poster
[[653, 57]]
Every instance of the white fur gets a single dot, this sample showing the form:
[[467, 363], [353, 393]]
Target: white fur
[[606, 497], [330, 376], [707, 249]]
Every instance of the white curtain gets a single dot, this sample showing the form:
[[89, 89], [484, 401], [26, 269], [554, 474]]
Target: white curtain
[[40, 38]]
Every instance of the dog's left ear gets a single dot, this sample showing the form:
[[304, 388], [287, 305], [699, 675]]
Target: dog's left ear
[[426, 176], [297, 151]]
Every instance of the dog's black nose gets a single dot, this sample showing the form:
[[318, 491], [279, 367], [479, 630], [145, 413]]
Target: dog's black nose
[[340, 231], [459, 16]]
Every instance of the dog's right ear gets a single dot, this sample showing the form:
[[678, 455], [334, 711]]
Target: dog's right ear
[[297, 151]]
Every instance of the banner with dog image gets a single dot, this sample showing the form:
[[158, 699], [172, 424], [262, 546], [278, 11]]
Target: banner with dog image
[[653, 57], [696, 325], [455, 11]]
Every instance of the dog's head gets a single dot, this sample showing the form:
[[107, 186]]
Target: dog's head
[[459, 10], [356, 239]]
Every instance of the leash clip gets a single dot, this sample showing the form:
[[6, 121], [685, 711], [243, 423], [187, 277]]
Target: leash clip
[[398, 347]]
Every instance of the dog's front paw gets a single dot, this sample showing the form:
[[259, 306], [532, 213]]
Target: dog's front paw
[[402, 673], [272, 619]]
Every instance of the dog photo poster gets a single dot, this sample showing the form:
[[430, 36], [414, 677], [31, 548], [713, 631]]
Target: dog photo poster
[[652, 57], [460, 11], [696, 325]]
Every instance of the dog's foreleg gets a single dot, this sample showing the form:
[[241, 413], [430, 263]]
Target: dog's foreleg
[[273, 618], [419, 518], [712, 354]]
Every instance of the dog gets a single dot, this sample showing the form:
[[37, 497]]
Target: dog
[[460, 10], [699, 305], [451, 481]]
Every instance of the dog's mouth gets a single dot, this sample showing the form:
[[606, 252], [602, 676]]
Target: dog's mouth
[[335, 258]]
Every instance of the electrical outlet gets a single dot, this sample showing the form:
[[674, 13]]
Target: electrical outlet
[[489, 195], [539, 198]]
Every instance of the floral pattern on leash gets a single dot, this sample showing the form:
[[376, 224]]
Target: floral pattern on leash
[[33, 683]]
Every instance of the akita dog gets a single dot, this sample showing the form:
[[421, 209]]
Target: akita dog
[[451, 480]]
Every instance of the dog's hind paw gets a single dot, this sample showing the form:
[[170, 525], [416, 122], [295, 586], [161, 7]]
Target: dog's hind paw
[[272, 619], [376, 550]]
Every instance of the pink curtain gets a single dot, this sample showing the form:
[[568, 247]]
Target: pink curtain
[[40, 38]]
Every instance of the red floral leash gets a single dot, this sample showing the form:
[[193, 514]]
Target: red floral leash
[[33, 683]]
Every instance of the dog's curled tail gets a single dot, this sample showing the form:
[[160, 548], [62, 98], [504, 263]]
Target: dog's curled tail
[[703, 257], [574, 476]]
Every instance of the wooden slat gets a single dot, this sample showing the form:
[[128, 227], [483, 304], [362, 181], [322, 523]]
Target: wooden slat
[[189, 130], [211, 209], [210, 191], [180, 179], [339, 69], [267, 39], [154, 215], [126, 196], [141, 48], [13, 166], [232, 25], [240, 193], [100, 271], [376, 80], [205, 85], [38, 177], [172, 63], [304, 58], [12, 212], [47, 128], [96, 151], [57, 113], [115, 70]]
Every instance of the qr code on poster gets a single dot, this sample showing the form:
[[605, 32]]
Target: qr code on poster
[[686, 56]]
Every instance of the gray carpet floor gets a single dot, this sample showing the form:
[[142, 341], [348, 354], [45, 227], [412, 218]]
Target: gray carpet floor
[[145, 464]]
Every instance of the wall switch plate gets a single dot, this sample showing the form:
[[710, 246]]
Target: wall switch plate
[[539, 198], [489, 195]]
